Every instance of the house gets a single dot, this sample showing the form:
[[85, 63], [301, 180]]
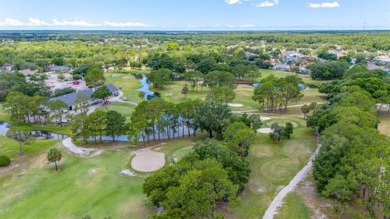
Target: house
[[70, 99], [304, 70], [373, 66], [55, 68], [27, 72], [282, 67], [7, 67], [382, 59]]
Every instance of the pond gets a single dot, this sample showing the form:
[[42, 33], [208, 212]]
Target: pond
[[146, 88], [179, 131], [4, 127]]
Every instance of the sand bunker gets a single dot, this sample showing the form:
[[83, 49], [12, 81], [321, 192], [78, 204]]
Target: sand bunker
[[146, 160], [235, 105], [127, 172], [264, 130], [264, 118]]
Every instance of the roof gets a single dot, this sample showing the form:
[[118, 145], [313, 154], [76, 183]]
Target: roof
[[70, 99]]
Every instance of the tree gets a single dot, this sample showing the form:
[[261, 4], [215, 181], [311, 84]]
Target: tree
[[305, 109], [22, 134], [54, 155], [199, 191], [115, 124], [94, 76], [57, 109], [253, 121], [219, 78], [171, 46], [82, 103], [277, 132], [102, 93], [288, 130], [184, 91], [194, 78], [238, 137], [160, 77], [96, 123], [212, 117], [221, 94]]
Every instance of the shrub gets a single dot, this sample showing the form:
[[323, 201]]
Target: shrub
[[4, 161]]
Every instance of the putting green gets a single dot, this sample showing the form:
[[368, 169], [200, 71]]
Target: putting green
[[280, 169]]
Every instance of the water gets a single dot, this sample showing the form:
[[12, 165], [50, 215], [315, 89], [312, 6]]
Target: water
[[146, 88], [4, 127]]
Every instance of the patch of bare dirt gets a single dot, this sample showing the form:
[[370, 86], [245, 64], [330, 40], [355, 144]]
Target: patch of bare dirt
[[312, 199]]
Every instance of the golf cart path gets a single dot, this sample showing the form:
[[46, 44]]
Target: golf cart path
[[82, 152], [278, 200]]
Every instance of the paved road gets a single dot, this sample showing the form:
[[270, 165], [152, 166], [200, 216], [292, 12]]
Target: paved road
[[278, 200], [83, 152]]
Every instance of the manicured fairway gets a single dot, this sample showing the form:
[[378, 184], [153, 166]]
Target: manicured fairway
[[273, 165]]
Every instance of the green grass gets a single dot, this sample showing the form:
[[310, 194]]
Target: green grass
[[273, 165], [127, 84], [125, 109], [293, 208], [35, 190], [3, 114], [75, 191], [279, 74], [10, 147]]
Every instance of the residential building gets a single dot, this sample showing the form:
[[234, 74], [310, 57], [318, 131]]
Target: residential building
[[70, 99]]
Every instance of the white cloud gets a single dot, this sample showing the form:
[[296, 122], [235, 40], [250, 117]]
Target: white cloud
[[73, 23], [233, 2], [34, 22], [11, 22], [125, 24], [265, 4], [324, 5]]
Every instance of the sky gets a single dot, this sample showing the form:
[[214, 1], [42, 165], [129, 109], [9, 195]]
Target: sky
[[194, 14]]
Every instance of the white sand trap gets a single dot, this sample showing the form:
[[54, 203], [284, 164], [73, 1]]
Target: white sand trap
[[235, 105], [147, 161], [264, 118], [127, 172], [264, 130]]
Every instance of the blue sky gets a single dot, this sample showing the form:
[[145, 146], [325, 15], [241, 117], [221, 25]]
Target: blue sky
[[195, 14]]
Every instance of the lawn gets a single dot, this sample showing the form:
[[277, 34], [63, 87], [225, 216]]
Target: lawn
[[93, 186], [125, 109], [293, 207], [244, 94], [305, 77], [127, 83], [89, 186], [273, 165]]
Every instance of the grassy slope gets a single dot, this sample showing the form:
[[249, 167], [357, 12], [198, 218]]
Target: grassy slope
[[273, 165], [75, 191]]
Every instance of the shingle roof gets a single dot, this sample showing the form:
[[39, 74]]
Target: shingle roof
[[70, 99]]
